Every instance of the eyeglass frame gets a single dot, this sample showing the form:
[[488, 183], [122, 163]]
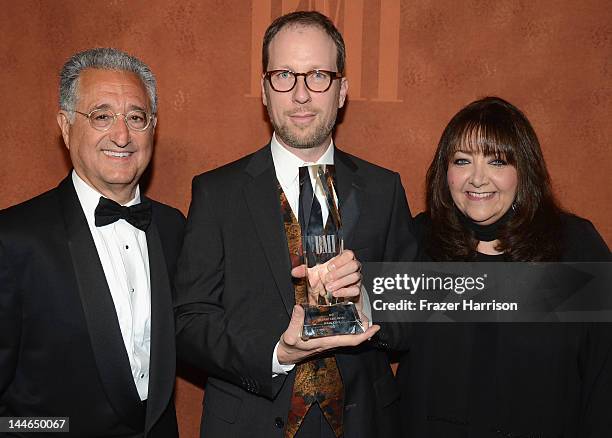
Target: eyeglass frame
[[333, 75], [150, 118]]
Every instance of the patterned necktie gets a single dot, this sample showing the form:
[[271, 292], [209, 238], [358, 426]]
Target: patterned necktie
[[108, 212], [317, 380]]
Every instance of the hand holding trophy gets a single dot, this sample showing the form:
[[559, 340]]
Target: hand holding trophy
[[324, 315]]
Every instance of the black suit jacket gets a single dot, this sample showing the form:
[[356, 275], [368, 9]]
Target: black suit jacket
[[61, 350], [235, 294]]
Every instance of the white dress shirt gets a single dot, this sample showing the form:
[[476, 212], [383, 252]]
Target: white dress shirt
[[287, 168], [122, 249]]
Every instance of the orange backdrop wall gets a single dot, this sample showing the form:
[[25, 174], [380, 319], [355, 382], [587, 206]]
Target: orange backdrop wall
[[411, 66]]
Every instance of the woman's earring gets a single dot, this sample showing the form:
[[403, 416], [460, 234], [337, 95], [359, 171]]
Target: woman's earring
[[513, 206]]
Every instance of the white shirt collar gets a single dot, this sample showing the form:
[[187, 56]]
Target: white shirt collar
[[89, 197], [286, 164]]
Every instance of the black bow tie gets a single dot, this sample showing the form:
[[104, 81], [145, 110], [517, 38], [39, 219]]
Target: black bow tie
[[108, 212]]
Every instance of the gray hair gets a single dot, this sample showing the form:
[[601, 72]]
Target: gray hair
[[105, 59]]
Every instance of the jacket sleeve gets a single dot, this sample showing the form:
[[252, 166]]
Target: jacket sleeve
[[208, 338], [401, 246]]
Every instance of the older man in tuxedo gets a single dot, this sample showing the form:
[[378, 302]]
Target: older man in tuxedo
[[86, 323], [236, 313]]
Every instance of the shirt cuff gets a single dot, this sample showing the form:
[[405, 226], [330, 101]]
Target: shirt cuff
[[277, 367]]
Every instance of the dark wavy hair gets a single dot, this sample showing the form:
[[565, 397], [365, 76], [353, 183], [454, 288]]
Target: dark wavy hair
[[307, 19], [497, 128]]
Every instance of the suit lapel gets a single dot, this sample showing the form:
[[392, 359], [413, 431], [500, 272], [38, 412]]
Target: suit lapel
[[103, 327], [163, 363], [350, 186], [261, 195]]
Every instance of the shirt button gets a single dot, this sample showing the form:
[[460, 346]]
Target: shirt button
[[132, 290], [127, 247], [142, 376], [278, 421]]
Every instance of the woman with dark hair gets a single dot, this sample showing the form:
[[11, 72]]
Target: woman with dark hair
[[489, 198]]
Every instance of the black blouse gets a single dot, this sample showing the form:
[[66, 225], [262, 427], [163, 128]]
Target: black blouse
[[511, 379]]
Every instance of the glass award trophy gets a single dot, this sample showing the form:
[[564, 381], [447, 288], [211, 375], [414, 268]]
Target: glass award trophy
[[320, 243]]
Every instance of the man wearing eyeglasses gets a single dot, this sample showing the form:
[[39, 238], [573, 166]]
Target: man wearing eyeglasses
[[235, 299], [86, 322]]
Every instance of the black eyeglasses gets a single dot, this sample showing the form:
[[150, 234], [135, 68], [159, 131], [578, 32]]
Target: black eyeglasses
[[318, 81]]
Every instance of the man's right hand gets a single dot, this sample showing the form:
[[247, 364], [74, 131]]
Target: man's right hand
[[293, 349]]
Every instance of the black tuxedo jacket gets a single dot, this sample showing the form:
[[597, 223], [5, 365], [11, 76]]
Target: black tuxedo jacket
[[61, 350], [234, 294]]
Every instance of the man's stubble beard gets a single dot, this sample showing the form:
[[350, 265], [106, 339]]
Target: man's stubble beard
[[319, 134]]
